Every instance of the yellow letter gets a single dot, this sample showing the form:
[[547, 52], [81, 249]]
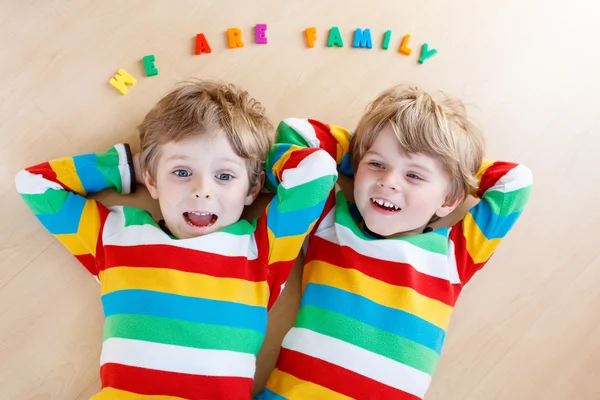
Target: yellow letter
[[121, 79]]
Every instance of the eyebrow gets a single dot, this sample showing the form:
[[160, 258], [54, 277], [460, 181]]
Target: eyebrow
[[231, 161], [373, 152], [421, 167], [183, 157], [411, 164], [177, 157]]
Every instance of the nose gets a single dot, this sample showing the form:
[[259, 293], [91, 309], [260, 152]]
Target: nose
[[387, 180], [201, 188]]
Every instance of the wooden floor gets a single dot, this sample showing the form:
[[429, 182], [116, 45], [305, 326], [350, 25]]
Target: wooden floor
[[528, 327]]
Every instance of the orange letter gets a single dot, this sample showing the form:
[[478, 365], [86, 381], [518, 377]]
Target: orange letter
[[404, 46], [311, 36], [234, 35]]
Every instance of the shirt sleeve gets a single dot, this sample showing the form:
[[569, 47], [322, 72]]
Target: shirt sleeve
[[302, 179], [504, 190], [56, 192], [306, 132]]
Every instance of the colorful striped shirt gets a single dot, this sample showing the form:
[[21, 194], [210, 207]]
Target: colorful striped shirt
[[186, 318], [374, 312]]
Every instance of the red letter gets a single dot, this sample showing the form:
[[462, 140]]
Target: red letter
[[201, 44]]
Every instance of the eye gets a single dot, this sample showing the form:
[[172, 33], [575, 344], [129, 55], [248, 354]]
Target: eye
[[224, 177], [376, 164], [182, 173], [413, 176]]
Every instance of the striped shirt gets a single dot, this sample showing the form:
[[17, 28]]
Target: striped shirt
[[186, 318], [374, 312]]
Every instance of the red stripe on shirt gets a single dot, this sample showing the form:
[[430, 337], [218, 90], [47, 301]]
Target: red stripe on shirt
[[47, 172], [145, 381], [393, 273], [329, 205], [464, 262], [326, 139], [336, 378], [491, 176], [297, 155], [276, 273], [181, 259], [104, 212], [89, 262]]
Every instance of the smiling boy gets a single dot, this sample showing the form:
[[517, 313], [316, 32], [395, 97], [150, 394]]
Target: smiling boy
[[379, 282]]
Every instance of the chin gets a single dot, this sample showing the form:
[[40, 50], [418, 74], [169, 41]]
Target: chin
[[380, 230]]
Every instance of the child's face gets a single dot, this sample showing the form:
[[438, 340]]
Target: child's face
[[412, 188], [201, 185]]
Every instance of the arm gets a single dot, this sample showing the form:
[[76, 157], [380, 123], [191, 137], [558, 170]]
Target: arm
[[55, 191], [302, 179], [334, 139], [504, 189]]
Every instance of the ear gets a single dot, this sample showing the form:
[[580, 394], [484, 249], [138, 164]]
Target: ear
[[151, 185], [254, 191], [448, 207]]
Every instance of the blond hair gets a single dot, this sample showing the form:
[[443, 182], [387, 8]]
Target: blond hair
[[422, 125], [202, 106]]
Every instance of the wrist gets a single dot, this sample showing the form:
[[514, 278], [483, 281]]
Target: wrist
[[139, 176]]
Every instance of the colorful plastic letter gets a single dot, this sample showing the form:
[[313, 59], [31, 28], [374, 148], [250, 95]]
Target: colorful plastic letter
[[259, 33], [335, 39], [426, 53], [234, 36], [202, 45], [149, 66], [362, 38], [386, 39], [311, 36], [404, 46], [121, 79]]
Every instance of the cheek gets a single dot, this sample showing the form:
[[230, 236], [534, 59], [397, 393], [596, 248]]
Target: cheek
[[173, 193], [362, 181], [234, 195]]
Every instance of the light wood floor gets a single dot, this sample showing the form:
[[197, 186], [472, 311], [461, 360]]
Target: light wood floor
[[528, 327]]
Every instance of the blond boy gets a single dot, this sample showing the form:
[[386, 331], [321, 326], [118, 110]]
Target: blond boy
[[380, 282], [185, 301]]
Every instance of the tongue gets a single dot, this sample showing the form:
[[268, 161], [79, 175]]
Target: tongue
[[199, 220]]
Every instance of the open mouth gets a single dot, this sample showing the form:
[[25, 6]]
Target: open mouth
[[200, 219], [385, 205]]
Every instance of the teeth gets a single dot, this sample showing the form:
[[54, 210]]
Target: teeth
[[200, 214], [385, 204]]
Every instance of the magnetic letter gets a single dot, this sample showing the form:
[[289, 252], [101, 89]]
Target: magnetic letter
[[121, 79], [426, 53], [386, 39], [404, 46], [149, 66], [259, 33], [202, 45], [311, 36], [362, 39], [234, 35], [335, 39]]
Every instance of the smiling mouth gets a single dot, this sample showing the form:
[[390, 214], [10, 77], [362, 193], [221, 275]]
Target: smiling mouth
[[200, 219], [385, 205]]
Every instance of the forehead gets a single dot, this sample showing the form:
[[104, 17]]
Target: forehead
[[202, 148]]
